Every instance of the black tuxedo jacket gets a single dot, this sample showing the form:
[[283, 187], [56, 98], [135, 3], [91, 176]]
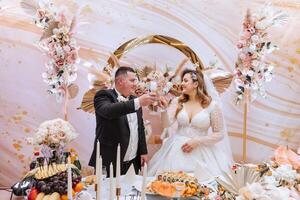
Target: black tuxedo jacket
[[112, 127]]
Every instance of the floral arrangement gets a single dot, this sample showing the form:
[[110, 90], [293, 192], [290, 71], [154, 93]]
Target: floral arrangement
[[163, 82], [152, 80], [251, 68], [283, 183], [155, 81], [57, 43], [55, 132], [273, 181]]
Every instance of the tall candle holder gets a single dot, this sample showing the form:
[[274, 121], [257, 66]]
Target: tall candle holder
[[118, 193]]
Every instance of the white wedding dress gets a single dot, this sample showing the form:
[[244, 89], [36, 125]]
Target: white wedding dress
[[212, 159]]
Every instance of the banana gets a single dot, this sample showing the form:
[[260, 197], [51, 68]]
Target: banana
[[55, 170], [47, 197], [55, 196], [50, 171], [58, 167], [44, 174], [40, 196], [47, 171]]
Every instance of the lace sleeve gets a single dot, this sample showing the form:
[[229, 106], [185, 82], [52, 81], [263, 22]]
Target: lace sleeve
[[216, 122], [216, 119]]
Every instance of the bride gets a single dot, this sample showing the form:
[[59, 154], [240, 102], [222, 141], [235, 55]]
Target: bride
[[194, 113]]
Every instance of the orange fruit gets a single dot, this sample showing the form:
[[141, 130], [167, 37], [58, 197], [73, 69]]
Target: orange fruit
[[65, 196], [78, 187]]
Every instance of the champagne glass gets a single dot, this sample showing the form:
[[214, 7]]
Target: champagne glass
[[153, 88], [104, 173]]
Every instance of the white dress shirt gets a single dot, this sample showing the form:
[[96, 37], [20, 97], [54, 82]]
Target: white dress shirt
[[133, 127]]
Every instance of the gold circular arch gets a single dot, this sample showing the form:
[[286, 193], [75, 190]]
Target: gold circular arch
[[156, 39], [222, 81]]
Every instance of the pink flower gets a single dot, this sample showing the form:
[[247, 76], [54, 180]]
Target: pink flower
[[50, 45], [41, 13], [246, 35], [67, 48], [59, 63], [239, 45], [243, 56], [247, 63], [72, 56], [62, 19], [218, 198], [251, 30], [61, 135]]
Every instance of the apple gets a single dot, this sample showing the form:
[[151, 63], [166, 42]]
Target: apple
[[33, 194]]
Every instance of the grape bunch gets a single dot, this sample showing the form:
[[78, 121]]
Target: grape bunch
[[75, 180], [57, 183]]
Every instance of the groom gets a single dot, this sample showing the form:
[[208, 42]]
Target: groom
[[119, 121]]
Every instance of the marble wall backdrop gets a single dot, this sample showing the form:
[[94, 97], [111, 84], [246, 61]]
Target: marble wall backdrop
[[209, 27]]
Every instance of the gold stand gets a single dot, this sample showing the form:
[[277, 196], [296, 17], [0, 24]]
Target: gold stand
[[96, 185], [118, 193], [246, 100]]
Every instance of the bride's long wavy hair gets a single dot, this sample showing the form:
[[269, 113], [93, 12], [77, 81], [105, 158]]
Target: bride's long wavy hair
[[204, 98]]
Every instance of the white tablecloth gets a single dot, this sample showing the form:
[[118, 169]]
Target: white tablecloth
[[127, 187]]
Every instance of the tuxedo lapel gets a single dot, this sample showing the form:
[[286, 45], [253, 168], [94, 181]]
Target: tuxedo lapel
[[115, 95]]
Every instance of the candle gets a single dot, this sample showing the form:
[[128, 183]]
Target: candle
[[111, 186], [97, 160], [69, 179], [118, 172], [143, 193], [99, 179]]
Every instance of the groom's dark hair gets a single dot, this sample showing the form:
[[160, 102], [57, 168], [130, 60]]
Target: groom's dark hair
[[123, 71]]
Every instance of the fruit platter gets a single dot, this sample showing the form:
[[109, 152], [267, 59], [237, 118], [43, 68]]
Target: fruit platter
[[47, 178], [51, 182]]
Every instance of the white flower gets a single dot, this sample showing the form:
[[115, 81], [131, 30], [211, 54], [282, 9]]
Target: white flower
[[250, 73], [262, 25], [279, 193], [285, 172], [54, 132], [255, 39], [255, 63], [253, 191], [268, 76], [271, 48], [168, 87], [122, 99], [252, 48], [270, 180]]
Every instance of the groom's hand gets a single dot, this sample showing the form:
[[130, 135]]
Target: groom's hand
[[189, 146], [147, 99], [144, 159]]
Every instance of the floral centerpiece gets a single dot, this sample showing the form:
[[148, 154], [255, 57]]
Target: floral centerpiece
[[55, 132], [53, 135]]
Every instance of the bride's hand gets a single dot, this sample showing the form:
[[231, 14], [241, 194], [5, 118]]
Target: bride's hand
[[189, 146], [163, 103]]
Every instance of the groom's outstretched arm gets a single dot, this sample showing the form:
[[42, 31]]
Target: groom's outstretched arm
[[106, 108]]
